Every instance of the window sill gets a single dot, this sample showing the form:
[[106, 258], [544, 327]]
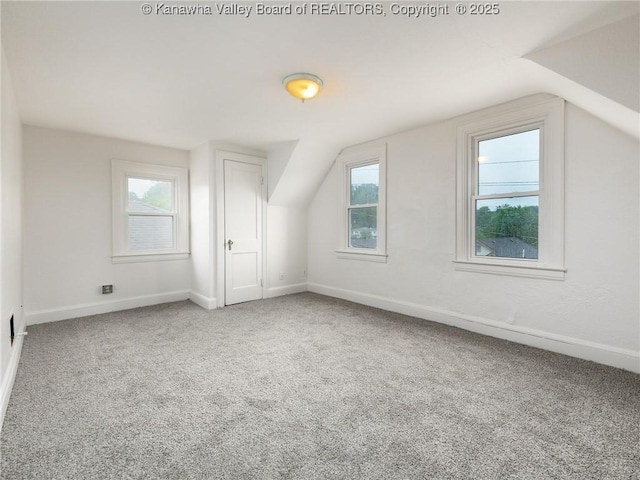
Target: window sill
[[362, 255], [148, 257], [514, 270]]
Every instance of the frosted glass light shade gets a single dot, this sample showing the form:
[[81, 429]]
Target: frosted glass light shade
[[302, 85]]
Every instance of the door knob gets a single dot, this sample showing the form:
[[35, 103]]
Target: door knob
[[230, 242]]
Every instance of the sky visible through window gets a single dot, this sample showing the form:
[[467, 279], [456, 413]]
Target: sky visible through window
[[146, 192], [140, 186], [367, 174], [509, 164]]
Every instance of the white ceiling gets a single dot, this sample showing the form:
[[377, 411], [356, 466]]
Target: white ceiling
[[105, 68]]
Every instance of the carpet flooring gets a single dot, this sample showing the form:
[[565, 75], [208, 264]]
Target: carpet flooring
[[308, 387]]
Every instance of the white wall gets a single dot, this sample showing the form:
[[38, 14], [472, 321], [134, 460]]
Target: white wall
[[202, 200], [67, 228], [286, 226], [10, 237], [278, 158], [592, 314], [286, 250]]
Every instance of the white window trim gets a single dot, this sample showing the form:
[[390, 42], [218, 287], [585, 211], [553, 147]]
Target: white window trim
[[548, 115], [348, 158], [121, 170]]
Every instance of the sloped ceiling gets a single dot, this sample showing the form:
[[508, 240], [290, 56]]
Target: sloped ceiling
[[180, 81], [605, 60]]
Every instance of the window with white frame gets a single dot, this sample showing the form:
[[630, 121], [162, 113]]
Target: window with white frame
[[510, 192], [150, 212], [363, 203]]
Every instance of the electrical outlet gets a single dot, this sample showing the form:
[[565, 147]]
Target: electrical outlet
[[107, 289], [281, 276]]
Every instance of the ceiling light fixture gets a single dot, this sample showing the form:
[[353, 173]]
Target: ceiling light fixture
[[302, 85]]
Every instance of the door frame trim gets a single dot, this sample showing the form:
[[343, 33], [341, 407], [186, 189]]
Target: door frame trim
[[220, 157]]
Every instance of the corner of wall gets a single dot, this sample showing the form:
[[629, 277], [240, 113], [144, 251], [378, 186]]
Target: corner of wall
[[11, 237], [207, 303], [10, 375], [287, 290]]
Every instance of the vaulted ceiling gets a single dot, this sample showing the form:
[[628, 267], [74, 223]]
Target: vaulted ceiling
[[177, 80]]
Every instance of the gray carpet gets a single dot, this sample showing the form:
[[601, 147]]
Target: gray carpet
[[308, 387]]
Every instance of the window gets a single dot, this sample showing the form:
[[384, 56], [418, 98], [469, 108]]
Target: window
[[150, 212], [510, 203], [362, 207], [506, 196]]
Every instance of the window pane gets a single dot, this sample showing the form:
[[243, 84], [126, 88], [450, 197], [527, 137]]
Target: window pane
[[509, 164], [150, 233], [150, 196], [507, 227], [363, 227], [364, 184]]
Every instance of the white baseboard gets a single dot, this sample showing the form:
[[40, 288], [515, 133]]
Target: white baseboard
[[286, 290], [207, 303], [10, 375], [607, 355], [82, 310]]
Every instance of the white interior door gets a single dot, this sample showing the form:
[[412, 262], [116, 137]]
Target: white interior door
[[243, 231]]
